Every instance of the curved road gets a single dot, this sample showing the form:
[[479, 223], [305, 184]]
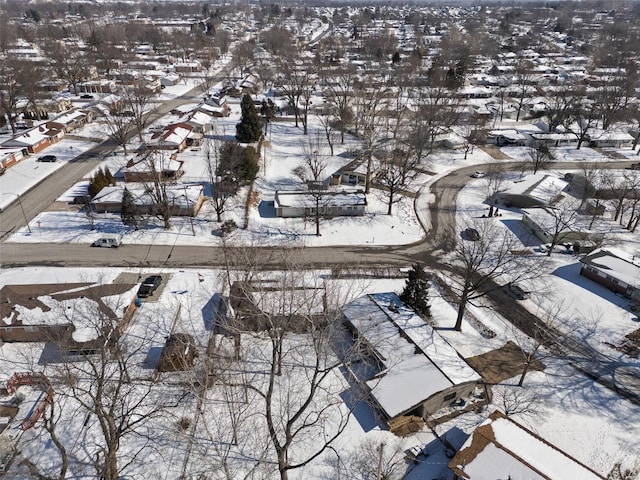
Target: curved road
[[439, 237]]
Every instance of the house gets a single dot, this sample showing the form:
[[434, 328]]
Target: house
[[152, 167], [611, 139], [547, 223], [408, 368], [330, 203], [554, 139], [169, 80], [614, 185], [355, 173], [505, 137], [36, 139], [173, 137], [536, 190], [184, 200], [71, 121], [11, 156], [97, 86], [613, 269], [502, 448], [187, 67]]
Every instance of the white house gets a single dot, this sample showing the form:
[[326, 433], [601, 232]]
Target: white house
[[413, 370], [532, 191], [502, 448], [330, 203]]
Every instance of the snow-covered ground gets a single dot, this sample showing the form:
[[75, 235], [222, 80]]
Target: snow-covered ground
[[588, 421], [585, 419]]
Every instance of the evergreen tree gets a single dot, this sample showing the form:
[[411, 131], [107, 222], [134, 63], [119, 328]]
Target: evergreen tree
[[250, 166], [97, 183], [129, 211], [415, 293], [250, 127], [109, 177]]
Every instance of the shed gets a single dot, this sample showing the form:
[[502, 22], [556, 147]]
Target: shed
[[179, 353]]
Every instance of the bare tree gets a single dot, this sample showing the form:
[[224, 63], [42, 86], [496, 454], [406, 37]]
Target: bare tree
[[522, 85], [338, 94], [382, 459], [14, 81], [564, 219], [120, 126], [395, 172], [310, 172], [548, 333], [371, 106], [583, 117], [292, 364], [436, 112], [69, 65], [513, 401], [297, 80], [137, 100], [481, 264], [538, 158], [108, 389], [50, 418], [493, 183], [223, 186], [473, 134], [560, 104]]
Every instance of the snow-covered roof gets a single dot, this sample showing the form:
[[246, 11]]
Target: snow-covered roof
[[510, 134], [502, 448], [614, 263], [418, 362], [306, 199], [69, 117], [541, 187], [157, 163], [185, 195]]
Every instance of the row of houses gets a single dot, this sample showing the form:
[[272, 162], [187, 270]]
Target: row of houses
[[37, 139], [528, 136]]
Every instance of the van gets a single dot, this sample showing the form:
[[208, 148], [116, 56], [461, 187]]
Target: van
[[108, 240]]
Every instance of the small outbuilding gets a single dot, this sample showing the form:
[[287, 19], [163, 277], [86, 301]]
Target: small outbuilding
[[178, 354]]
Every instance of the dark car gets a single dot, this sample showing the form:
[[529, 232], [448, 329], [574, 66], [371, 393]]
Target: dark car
[[149, 286], [86, 95], [48, 158], [471, 234], [516, 291]]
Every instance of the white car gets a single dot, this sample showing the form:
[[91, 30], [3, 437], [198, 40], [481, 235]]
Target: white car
[[478, 174]]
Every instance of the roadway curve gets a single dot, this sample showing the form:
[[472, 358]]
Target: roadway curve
[[442, 215]]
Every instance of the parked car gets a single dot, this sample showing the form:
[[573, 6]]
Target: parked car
[[108, 240], [516, 291], [48, 158], [86, 95], [478, 174], [471, 234], [149, 286]]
